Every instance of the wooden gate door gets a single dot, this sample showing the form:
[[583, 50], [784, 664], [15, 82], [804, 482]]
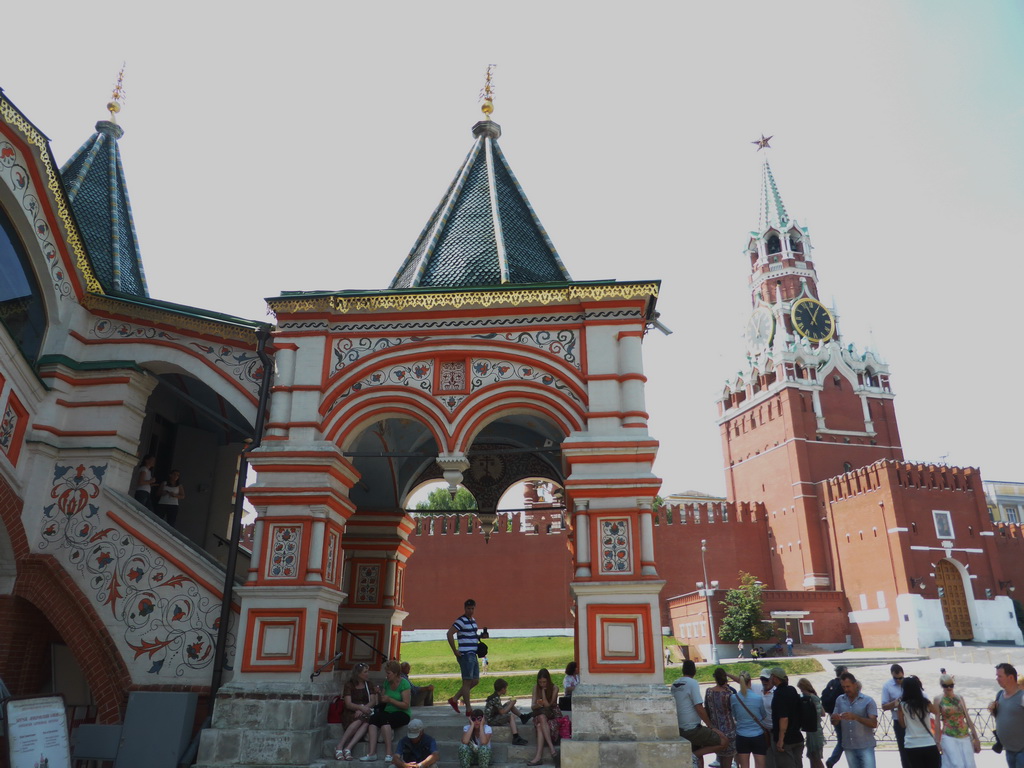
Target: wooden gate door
[[954, 601]]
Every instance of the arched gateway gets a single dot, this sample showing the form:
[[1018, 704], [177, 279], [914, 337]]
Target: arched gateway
[[483, 363]]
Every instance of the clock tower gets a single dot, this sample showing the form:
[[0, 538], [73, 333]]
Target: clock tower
[[805, 406]]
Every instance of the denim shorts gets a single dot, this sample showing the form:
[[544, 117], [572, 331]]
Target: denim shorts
[[470, 666]]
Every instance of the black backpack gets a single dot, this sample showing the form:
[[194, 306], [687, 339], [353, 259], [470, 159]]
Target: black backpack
[[830, 695], [808, 715]]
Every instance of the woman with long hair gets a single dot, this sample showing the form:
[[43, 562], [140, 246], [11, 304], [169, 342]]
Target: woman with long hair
[[749, 713], [569, 683], [360, 697], [394, 713], [815, 740], [717, 705], [920, 743], [958, 737], [545, 710]]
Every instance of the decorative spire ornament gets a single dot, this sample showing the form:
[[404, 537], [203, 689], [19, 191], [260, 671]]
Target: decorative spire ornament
[[487, 93], [118, 96], [762, 143]]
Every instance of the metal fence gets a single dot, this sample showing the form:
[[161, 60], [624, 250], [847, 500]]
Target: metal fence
[[885, 735]]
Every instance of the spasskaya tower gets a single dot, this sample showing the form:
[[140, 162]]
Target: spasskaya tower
[[806, 405]]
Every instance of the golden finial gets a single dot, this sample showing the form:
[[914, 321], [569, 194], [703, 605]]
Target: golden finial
[[487, 93], [117, 97]]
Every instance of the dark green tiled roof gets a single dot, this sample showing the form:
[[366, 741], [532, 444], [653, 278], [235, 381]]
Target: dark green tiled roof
[[96, 187], [482, 224]]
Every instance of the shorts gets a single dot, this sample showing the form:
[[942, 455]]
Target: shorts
[[701, 737], [470, 666], [751, 745]]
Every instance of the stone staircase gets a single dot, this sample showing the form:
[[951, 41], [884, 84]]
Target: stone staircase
[[446, 728]]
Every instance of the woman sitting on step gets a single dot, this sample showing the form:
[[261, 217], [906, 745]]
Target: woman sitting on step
[[392, 713], [359, 697], [545, 711]]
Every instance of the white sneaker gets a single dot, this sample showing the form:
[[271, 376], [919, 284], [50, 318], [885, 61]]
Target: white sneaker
[[368, 758]]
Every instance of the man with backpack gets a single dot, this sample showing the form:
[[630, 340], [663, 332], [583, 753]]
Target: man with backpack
[[833, 691], [787, 738]]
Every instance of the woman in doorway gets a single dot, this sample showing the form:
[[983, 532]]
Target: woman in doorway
[[396, 698], [545, 698], [959, 740], [920, 743], [359, 697], [145, 480], [717, 704], [171, 492], [815, 739]]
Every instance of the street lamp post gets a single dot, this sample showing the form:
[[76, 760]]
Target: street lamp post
[[710, 588]]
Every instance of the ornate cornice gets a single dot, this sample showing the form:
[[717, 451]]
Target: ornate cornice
[[198, 324], [409, 301], [10, 114]]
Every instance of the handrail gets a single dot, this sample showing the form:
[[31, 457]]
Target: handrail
[[342, 628]]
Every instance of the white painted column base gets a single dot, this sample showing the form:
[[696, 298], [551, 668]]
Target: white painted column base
[[625, 726]]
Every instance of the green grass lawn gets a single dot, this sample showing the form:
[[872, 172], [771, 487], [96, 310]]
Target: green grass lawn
[[518, 659], [504, 654]]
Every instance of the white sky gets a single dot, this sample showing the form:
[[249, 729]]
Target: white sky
[[303, 146]]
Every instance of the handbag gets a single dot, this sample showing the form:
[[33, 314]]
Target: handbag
[[335, 710], [997, 746]]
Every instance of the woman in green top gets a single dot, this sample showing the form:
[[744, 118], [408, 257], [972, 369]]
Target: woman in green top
[[393, 712]]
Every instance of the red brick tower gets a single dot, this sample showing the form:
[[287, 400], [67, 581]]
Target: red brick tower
[[806, 406]]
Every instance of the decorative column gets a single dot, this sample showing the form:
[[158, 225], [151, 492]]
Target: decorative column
[[623, 713], [273, 712]]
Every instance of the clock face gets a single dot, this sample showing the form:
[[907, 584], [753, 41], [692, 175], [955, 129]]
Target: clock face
[[812, 321], [760, 329]]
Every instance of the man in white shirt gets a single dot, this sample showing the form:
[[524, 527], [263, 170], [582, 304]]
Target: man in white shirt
[[892, 692], [690, 714], [768, 692]]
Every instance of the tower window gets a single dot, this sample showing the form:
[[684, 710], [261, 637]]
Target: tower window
[[774, 244], [795, 244]]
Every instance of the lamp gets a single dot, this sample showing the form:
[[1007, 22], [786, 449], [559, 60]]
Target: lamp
[[488, 522], [712, 586], [1007, 585], [916, 581]]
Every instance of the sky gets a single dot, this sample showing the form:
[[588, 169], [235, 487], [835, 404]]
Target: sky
[[303, 147]]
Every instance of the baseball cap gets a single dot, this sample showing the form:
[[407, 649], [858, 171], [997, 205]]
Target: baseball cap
[[415, 728], [778, 672], [765, 674]]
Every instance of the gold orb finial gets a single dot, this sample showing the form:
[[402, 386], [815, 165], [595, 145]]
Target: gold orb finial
[[118, 96], [487, 93]]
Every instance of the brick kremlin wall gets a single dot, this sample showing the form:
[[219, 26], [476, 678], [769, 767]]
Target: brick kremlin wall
[[507, 575]]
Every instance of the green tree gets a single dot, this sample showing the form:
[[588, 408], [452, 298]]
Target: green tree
[[744, 608], [440, 500]]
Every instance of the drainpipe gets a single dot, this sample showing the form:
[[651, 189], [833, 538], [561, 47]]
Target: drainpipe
[[262, 335]]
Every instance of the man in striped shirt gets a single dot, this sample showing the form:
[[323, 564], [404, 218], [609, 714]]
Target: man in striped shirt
[[463, 638]]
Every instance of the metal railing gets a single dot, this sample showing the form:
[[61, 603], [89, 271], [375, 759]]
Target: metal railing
[[983, 721]]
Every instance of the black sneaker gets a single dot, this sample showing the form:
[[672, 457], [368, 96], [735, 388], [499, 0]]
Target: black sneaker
[[519, 741], [526, 718]]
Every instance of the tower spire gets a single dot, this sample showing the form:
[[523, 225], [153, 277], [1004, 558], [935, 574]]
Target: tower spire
[[118, 95], [487, 93]]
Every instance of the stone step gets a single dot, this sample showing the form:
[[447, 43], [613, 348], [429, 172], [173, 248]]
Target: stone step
[[446, 727]]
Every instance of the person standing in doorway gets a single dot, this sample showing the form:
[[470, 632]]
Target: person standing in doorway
[[789, 645], [892, 695], [1009, 711], [857, 715], [171, 493], [145, 480], [464, 638]]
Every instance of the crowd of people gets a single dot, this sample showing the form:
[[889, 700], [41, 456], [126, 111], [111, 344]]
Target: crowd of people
[[371, 712], [780, 724]]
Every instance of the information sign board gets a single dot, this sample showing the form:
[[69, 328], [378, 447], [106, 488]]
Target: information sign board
[[37, 732]]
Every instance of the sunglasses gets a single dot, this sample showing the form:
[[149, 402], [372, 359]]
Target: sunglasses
[[950, 685]]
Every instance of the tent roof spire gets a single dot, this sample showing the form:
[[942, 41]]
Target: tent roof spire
[[484, 231], [98, 193]]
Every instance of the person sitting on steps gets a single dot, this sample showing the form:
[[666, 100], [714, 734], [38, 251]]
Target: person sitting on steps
[[498, 714]]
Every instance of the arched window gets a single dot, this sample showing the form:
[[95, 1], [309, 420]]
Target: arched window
[[21, 302], [796, 245], [774, 244]]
